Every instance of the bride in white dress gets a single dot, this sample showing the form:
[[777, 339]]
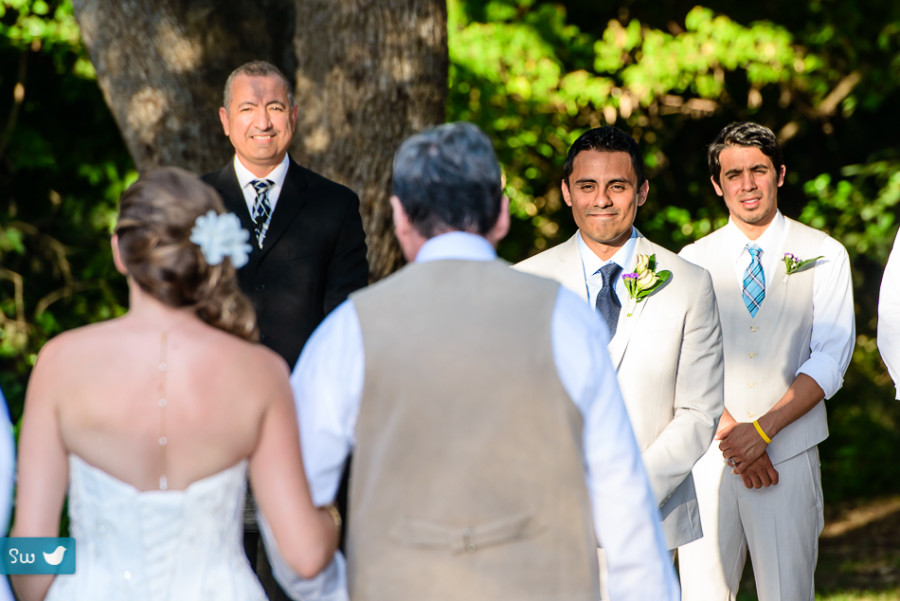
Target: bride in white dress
[[153, 420]]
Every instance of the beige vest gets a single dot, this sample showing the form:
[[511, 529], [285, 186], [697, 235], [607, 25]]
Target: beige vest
[[763, 353], [468, 473]]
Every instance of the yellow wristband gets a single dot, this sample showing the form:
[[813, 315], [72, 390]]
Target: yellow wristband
[[761, 433]]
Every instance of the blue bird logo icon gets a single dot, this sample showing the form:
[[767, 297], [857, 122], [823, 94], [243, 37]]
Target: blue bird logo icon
[[55, 558]]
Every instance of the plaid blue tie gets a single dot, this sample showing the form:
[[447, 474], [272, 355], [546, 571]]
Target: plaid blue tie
[[754, 290], [262, 210], [608, 304]]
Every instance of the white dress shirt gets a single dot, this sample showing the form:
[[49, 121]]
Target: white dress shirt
[[328, 380], [889, 316], [831, 346], [590, 262], [276, 175]]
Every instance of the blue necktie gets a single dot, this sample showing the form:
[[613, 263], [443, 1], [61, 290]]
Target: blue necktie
[[754, 291], [607, 300], [262, 210]]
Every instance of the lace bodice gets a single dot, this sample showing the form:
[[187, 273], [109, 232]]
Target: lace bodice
[[157, 545]]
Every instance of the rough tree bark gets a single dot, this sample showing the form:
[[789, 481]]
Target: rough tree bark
[[367, 74]]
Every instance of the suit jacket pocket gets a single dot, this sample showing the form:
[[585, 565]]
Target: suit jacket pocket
[[464, 539]]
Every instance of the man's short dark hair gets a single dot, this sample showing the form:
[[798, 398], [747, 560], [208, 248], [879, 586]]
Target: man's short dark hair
[[606, 139], [448, 179], [744, 133], [256, 69]]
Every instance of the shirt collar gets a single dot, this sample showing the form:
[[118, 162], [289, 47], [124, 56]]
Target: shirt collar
[[624, 256], [277, 175], [769, 241], [456, 245]]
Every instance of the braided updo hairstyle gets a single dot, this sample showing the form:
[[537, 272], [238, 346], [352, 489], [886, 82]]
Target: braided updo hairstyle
[[156, 216]]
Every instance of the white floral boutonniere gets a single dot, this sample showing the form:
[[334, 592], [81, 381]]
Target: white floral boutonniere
[[645, 280], [793, 264]]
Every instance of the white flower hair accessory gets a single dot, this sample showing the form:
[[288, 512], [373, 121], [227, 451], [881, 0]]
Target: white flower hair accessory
[[220, 236]]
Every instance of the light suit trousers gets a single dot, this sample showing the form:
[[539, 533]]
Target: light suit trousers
[[779, 525]]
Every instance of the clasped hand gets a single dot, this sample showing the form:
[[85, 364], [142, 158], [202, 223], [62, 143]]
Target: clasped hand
[[745, 451]]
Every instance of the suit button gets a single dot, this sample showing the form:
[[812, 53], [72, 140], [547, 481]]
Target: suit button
[[751, 384], [260, 287], [754, 329], [752, 355]]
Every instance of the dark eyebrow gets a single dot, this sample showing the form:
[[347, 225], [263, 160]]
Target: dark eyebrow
[[751, 168], [276, 102]]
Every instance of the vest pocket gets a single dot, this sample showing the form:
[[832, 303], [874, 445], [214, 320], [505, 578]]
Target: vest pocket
[[464, 539]]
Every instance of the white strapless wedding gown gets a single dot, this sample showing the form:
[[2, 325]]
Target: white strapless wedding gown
[[157, 545]]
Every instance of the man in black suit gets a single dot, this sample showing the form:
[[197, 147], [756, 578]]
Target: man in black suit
[[309, 249]]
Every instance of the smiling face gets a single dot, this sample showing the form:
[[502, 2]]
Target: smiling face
[[749, 182], [259, 121], [604, 194]]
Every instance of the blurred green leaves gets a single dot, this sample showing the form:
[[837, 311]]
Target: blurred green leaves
[[62, 168]]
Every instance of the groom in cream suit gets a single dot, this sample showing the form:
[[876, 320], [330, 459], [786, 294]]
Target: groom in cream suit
[[786, 303], [667, 346]]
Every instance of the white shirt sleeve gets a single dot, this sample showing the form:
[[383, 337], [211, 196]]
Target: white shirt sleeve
[[327, 385], [834, 326], [889, 316], [626, 518]]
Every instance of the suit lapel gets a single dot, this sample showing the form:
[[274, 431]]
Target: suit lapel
[[570, 271], [631, 311], [290, 201], [233, 197]]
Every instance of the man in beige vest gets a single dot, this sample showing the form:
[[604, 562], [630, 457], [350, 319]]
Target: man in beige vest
[[666, 346], [491, 446], [786, 305]]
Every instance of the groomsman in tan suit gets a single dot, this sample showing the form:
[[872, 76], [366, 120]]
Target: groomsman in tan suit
[[666, 346], [786, 304]]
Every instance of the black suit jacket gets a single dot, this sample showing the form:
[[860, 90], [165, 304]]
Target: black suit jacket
[[313, 255]]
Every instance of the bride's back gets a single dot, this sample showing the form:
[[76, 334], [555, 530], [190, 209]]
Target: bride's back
[[147, 419], [122, 412], [173, 391]]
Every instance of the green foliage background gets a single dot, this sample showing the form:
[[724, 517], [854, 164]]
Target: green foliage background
[[533, 74]]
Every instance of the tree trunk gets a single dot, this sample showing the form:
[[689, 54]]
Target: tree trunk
[[162, 64], [368, 73]]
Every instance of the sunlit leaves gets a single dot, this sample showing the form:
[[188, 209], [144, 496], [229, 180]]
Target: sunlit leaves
[[63, 168], [25, 22]]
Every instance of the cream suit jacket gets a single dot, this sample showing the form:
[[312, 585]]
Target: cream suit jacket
[[667, 352]]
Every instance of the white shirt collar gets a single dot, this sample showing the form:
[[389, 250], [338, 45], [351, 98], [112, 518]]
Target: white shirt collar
[[456, 245], [769, 241], [623, 257], [277, 175]]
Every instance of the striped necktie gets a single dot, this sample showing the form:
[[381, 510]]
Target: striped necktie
[[608, 304], [262, 210], [754, 290]]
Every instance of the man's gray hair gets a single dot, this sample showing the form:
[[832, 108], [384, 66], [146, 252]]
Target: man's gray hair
[[256, 69], [448, 179]]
